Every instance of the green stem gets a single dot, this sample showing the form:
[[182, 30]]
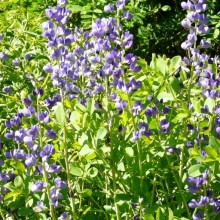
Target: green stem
[[112, 151], [1, 213], [165, 194], [179, 188], [181, 163], [139, 150], [153, 191], [52, 211], [72, 203]]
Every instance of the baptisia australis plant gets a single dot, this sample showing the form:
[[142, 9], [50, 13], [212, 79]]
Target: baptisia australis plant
[[90, 64], [33, 152], [204, 69]]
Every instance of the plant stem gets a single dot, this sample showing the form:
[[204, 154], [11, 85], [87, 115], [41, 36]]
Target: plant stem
[[180, 188], [2, 215], [52, 211], [112, 150], [139, 150], [153, 191], [72, 203], [130, 109]]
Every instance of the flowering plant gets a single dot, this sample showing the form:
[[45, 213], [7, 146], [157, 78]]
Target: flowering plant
[[89, 130]]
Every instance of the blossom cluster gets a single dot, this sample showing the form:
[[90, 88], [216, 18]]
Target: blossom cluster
[[199, 186], [31, 151]]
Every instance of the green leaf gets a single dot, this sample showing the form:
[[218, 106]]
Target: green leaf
[[166, 8], [210, 103], [129, 151], [24, 211], [162, 66], [108, 208], [14, 194], [41, 57], [86, 193], [91, 106], [153, 124], [196, 170], [180, 116], [174, 64], [165, 96], [92, 172], [175, 84], [121, 167], [60, 114], [75, 120], [170, 214], [19, 166], [80, 107], [85, 150], [85, 119], [215, 143], [216, 33], [76, 8], [211, 152], [18, 182], [101, 133], [10, 186], [149, 217], [98, 11], [76, 171]]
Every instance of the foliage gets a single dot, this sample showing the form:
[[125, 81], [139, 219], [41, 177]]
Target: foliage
[[91, 131]]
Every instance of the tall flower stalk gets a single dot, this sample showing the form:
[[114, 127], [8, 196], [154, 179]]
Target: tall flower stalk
[[52, 211], [67, 165]]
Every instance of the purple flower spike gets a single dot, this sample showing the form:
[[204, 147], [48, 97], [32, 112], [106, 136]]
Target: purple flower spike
[[1, 37], [50, 133], [137, 107], [203, 201], [120, 5], [120, 104], [44, 117], [127, 15], [16, 153], [198, 216], [1, 144], [1, 163], [47, 152], [16, 62], [40, 207], [27, 100], [29, 141], [7, 89], [151, 111], [64, 216], [48, 68], [63, 2], [59, 183], [28, 56], [30, 160], [38, 186], [3, 56], [54, 168], [193, 204], [186, 23], [10, 135], [189, 144], [38, 91], [204, 44], [165, 126], [109, 8], [166, 109], [136, 136]]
